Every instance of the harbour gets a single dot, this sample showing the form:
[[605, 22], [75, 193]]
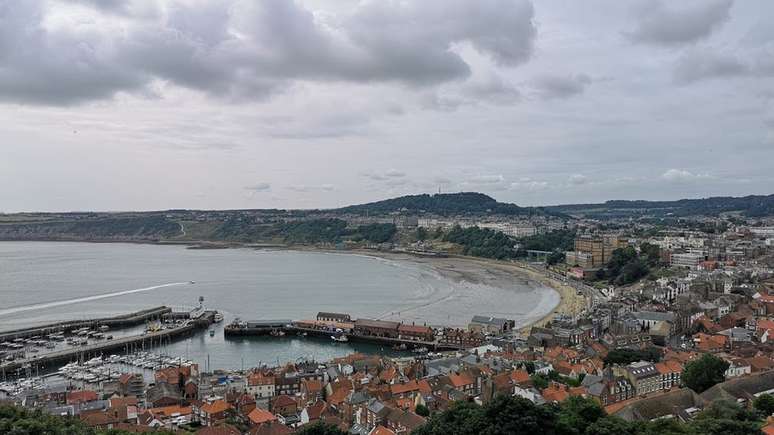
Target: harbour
[[23, 353]]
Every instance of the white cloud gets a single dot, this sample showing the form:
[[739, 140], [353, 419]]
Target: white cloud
[[682, 176], [578, 179], [528, 184], [486, 179]]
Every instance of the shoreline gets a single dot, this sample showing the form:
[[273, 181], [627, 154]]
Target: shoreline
[[495, 273], [570, 302]]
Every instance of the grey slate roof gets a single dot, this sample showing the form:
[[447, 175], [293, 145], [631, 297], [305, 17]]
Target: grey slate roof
[[654, 316], [496, 321], [745, 387], [672, 403]]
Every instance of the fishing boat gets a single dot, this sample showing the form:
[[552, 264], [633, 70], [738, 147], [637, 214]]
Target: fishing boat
[[340, 338]]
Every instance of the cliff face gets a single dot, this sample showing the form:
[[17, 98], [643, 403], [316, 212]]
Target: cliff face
[[140, 228]]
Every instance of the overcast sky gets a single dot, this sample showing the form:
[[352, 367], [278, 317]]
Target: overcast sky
[[123, 104]]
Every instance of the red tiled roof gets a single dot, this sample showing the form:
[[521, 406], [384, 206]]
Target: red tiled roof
[[216, 407], [259, 378], [460, 380], [315, 410], [381, 430], [225, 429], [311, 385], [81, 396], [284, 400], [404, 388], [520, 376], [258, 416], [166, 411], [555, 393]]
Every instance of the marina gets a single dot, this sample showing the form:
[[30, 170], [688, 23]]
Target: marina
[[83, 342]]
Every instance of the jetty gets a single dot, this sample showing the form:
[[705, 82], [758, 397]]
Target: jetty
[[382, 333], [120, 321]]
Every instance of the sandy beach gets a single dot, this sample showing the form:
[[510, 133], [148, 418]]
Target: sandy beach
[[493, 273]]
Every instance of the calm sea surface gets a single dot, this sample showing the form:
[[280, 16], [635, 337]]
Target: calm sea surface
[[42, 282]]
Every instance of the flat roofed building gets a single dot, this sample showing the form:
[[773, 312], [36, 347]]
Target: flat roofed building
[[333, 317], [378, 328], [491, 325], [416, 332]]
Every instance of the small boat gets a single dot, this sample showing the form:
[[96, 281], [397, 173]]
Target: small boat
[[340, 339], [191, 282], [401, 346], [218, 318], [212, 332], [420, 350]]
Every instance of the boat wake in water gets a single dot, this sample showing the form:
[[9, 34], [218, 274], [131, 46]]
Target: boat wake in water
[[43, 305]]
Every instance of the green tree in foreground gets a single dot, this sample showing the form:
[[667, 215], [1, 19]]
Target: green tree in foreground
[[320, 428], [764, 404], [579, 416], [422, 410], [24, 421], [701, 374], [726, 418]]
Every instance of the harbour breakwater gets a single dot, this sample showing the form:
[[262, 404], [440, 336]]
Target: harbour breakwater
[[125, 344], [122, 321]]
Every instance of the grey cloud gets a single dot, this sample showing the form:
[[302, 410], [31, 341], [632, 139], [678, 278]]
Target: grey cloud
[[394, 173], [551, 86], [442, 181], [112, 6], [441, 103], [698, 65], [390, 175], [494, 90], [413, 40], [666, 26], [250, 50], [258, 188], [330, 125], [63, 66], [302, 188]]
